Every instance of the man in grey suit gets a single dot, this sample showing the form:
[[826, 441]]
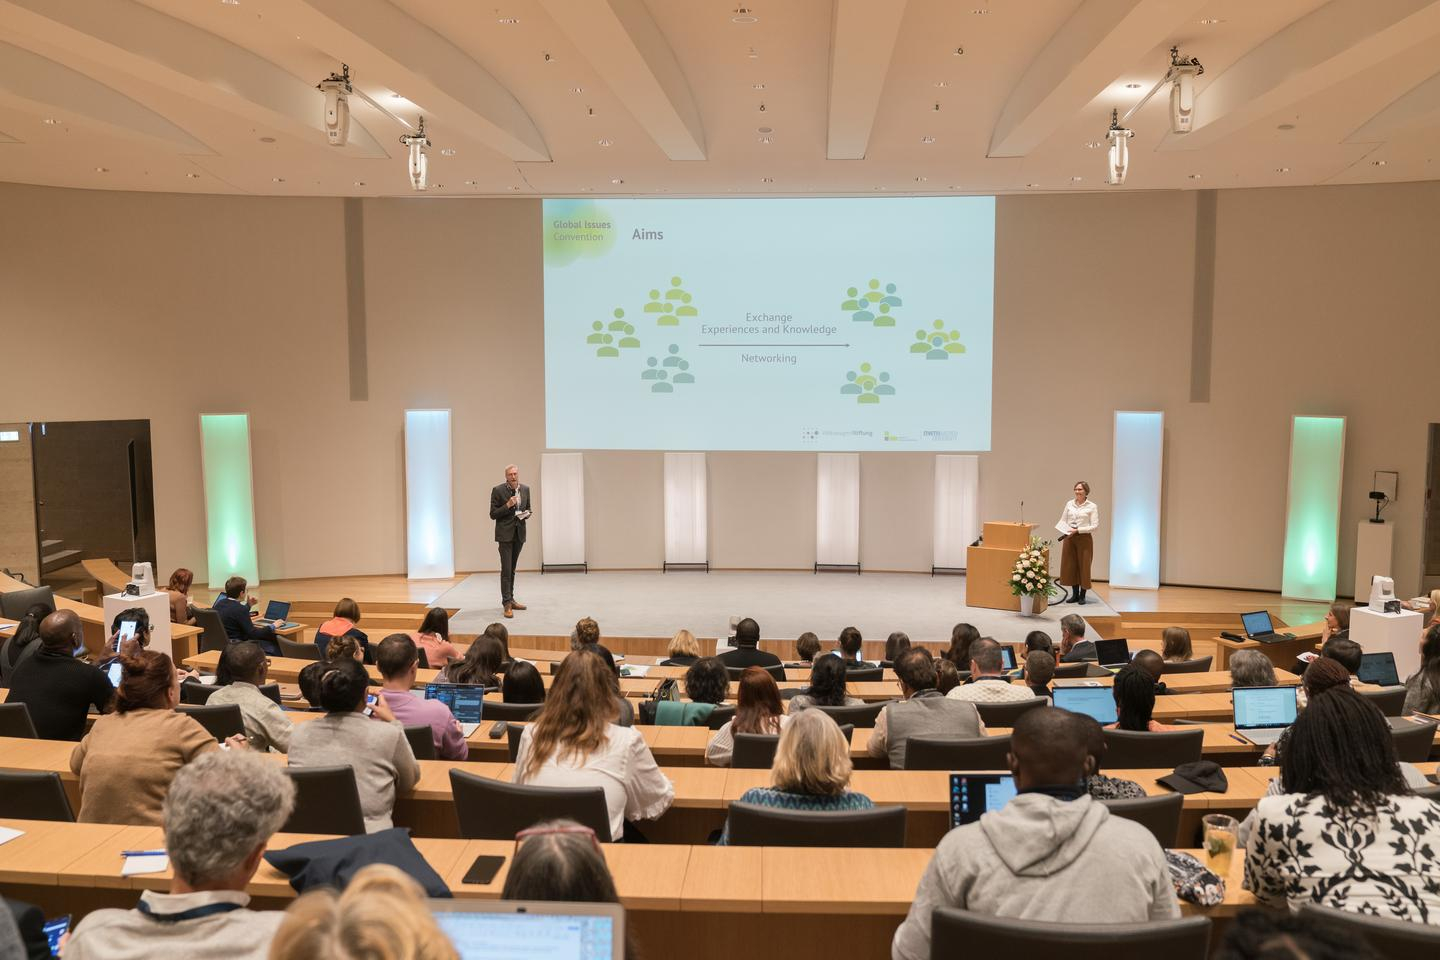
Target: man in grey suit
[[510, 508]]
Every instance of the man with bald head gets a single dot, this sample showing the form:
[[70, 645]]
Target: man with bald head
[[510, 508], [1052, 853], [58, 689]]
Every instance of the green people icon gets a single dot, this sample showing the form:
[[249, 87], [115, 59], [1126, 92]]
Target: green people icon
[[937, 343], [626, 331], [604, 342], [874, 306], [867, 387], [662, 374], [675, 303]]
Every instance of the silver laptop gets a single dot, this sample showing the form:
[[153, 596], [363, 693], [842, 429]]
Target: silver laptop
[[532, 930], [1263, 713]]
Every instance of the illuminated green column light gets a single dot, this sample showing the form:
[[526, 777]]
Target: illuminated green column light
[[1312, 515], [229, 497]]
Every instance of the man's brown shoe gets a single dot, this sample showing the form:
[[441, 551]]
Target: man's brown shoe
[[508, 612], [517, 605]]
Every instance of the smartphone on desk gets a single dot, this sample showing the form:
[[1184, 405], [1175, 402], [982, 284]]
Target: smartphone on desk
[[484, 869]]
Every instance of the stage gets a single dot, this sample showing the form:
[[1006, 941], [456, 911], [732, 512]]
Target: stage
[[785, 604]]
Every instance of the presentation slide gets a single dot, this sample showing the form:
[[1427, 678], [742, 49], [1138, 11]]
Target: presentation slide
[[769, 324]]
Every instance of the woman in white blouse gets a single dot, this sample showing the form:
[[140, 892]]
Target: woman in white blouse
[[1077, 521], [575, 742]]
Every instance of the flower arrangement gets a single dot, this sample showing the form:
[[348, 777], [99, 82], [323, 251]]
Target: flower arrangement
[[1031, 576]]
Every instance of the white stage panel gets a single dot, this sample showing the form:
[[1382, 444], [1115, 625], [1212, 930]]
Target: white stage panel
[[957, 508], [687, 509], [429, 507], [837, 510], [562, 522], [1139, 450]]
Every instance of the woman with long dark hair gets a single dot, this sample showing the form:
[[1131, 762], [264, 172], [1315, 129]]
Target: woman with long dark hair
[[827, 687], [24, 643], [1422, 688], [961, 636], [1135, 701], [480, 665], [433, 637], [757, 710]]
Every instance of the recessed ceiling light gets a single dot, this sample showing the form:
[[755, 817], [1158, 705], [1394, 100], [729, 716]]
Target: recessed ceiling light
[[469, 183], [1285, 126], [1094, 144], [267, 139], [102, 169], [616, 180], [921, 179], [959, 52], [514, 188], [605, 142], [359, 183], [1282, 169], [193, 176], [767, 179], [757, 86], [447, 152], [1076, 179], [743, 14], [51, 121], [397, 96], [230, 3], [1377, 163], [942, 83], [1211, 21], [548, 58], [979, 11], [577, 89], [764, 129], [1194, 176], [277, 179], [753, 54], [1032, 184], [508, 21], [1133, 86], [764, 139], [927, 139]]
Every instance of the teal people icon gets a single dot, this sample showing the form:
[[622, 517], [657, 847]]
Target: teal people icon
[[657, 376], [625, 331], [937, 343], [867, 386], [664, 374], [874, 306], [680, 367], [604, 342]]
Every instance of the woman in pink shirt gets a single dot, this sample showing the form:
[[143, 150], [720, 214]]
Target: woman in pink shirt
[[434, 638]]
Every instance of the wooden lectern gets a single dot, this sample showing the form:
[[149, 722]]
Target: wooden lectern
[[988, 568]]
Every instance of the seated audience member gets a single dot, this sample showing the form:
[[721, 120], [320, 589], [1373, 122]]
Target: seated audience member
[[480, 665], [1039, 671], [827, 687], [811, 770], [560, 860], [434, 638], [220, 812], [1097, 784], [1052, 854], [1422, 688], [1039, 640], [851, 645], [1337, 622], [923, 712], [807, 647], [1134, 692], [895, 644], [747, 652], [309, 683], [1251, 668], [1343, 651], [1175, 645], [343, 624], [378, 752], [234, 611], [127, 760], [1346, 832], [501, 633], [140, 639], [398, 660], [961, 636], [586, 631], [344, 648], [1153, 665], [574, 741], [266, 725], [947, 678], [757, 710], [58, 689], [707, 681], [522, 684], [683, 651], [381, 915], [623, 706], [988, 681], [179, 592], [24, 643], [1073, 645]]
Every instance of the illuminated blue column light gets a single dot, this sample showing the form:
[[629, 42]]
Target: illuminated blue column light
[[229, 498], [429, 509], [1139, 451], [1312, 510]]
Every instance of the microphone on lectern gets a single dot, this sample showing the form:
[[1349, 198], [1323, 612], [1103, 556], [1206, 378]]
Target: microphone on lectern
[[1022, 511]]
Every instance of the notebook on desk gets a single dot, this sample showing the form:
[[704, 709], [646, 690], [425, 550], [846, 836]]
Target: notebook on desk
[[1263, 713], [275, 613], [529, 930], [465, 700], [1112, 654], [1258, 626], [1097, 702], [1379, 669]]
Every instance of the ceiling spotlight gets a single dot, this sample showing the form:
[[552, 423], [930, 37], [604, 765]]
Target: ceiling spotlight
[[936, 108], [1032, 184], [448, 152], [548, 58], [419, 161], [764, 139], [267, 139], [277, 179], [359, 183], [1182, 74], [508, 21], [1282, 169], [337, 90], [942, 83], [515, 188], [102, 169], [921, 179], [605, 142], [1119, 138], [577, 89], [959, 52], [470, 183], [743, 14], [1194, 176], [753, 54], [767, 179], [757, 86], [51, 121], [230, 3], [764, 129], [616, 180], [193, 176], [1076, 179], [927, 139], [1377, 163], [1094, 144], [1210, 21], [1133, 86]]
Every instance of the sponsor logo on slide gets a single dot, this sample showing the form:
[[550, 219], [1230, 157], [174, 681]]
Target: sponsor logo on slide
[[937, 343], [867, 387], [872, 306]]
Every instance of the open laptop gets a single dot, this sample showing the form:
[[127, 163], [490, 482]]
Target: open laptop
[[532, 930], [1263, 713], [465, 701], [973, 794], [1112, 654], [1379, 669], [275, 613], [1097, 702], [1258, 626]]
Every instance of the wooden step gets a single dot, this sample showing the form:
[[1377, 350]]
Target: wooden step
[[48, 544], [61, 558]]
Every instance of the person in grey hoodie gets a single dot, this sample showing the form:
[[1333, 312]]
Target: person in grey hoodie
[[1052, 853]]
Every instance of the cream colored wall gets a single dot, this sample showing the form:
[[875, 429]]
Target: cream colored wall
[[1093, 301]]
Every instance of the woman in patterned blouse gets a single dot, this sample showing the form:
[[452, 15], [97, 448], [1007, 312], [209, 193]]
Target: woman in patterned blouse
[[811, 770], [1346, 832]]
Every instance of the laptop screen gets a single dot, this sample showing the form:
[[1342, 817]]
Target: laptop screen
[[1257, 623], [1111, 653], [1007, 656], [529, 936], [1261, 707], [1379, 668], [277, 610], [1097, 702], [972, 794], [465, 700]]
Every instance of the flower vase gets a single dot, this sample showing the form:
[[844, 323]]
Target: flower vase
[[1028, 605]]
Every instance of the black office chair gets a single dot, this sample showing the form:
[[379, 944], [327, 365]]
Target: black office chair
[[776, 671], [1004, 714], [34, 795], [1413, 741], [326, 801], [297, 651], [751, 825], [960, 933], [861, 716], [495, 810], [213, 635], [864, 674], [422, 741], [1429, 793], [222, 720], [271, 690], [194, 693], [422, 658], [720, 715], [754, 751], [513, 733], [1126, 749], [1391, 939], [15, 721], [509, 711], [1160, 815], [1390, 700], [1069, 671], [1197, 665], [957, 753]]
